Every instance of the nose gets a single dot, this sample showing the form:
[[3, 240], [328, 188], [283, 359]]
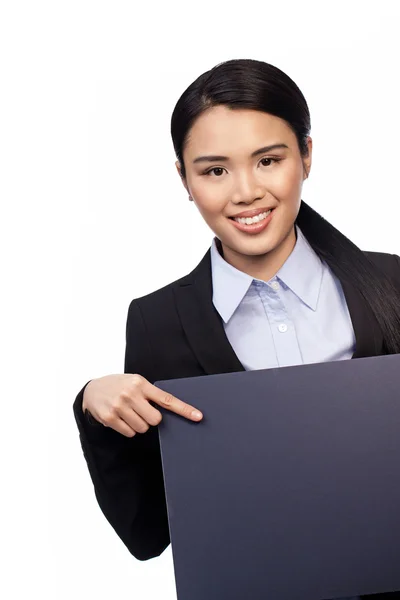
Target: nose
[[247, 190]]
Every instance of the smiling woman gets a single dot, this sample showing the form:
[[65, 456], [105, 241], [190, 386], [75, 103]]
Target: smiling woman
[[279, 286], [254, 174]]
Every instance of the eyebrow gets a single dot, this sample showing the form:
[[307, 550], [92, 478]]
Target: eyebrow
[[212, 158]]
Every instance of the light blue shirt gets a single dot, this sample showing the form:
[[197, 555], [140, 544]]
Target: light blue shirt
[[299, 316]]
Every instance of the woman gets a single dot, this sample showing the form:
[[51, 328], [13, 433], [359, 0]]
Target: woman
[[279, 286]]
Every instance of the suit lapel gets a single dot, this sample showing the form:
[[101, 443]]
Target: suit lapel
[[202, 323], [205, 331]]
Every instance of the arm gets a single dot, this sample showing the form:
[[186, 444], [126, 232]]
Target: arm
[[127, 472]]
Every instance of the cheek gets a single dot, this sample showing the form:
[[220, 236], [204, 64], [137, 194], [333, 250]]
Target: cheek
[[209, 199], [210, 206], [289, 182]]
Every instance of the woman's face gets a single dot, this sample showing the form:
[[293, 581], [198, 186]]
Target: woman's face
[[224, 187]]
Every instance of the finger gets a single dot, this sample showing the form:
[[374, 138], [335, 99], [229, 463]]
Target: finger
[[145, 410], [170, 402], [134, 420], [121, 427]]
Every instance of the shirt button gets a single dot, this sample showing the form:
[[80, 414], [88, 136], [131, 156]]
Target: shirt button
[[282, 327], [275, 285]]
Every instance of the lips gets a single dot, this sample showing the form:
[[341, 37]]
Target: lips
[[251, 213], [253, 228]]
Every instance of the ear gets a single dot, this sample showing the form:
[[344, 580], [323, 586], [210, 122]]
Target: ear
[[308, 159], [178, 168]]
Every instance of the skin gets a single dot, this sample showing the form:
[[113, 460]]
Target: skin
[[243, 183]]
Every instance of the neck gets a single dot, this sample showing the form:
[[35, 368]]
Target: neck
[[263, 266]]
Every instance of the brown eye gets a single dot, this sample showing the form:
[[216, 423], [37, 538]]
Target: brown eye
[[214, 169], [274, 160]]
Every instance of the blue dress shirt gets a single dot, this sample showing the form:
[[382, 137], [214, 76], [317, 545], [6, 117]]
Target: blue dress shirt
[[299, 316]]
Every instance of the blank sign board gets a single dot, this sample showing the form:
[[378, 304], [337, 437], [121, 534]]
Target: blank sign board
[[289, 488]]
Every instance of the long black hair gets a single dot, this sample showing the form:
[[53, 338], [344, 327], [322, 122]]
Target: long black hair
[[256, 85]]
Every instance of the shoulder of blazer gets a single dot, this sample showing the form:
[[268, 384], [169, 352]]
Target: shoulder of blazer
[[165, 294], [162, 318], [389, 263]]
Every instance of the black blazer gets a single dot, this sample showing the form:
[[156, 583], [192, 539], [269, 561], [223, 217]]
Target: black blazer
[[171, 333]]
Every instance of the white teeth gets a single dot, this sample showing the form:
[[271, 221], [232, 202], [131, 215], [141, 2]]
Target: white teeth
[[256, 219]]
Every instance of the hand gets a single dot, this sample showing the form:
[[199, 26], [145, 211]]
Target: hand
[[122, 403]]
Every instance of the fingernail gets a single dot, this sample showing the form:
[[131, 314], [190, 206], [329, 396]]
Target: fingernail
[[196, 414]]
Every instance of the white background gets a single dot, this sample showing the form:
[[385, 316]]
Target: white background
[[93, 214]]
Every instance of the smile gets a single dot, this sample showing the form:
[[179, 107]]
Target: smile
[[253, 225], [250, 220]]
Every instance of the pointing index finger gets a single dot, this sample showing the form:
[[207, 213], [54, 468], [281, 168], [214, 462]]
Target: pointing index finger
[[170, 402]]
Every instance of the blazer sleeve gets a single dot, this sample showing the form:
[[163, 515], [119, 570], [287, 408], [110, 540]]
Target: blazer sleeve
[[127, 472]]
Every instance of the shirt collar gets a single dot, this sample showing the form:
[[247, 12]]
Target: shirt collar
[[302, 273]]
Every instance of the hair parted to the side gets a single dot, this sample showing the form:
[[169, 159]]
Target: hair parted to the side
[[256, 85]]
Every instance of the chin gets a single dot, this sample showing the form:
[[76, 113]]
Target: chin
[[252, 247], [260, 250]]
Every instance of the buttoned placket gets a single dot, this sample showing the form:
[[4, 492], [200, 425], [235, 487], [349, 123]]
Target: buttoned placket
[[283, 330]]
